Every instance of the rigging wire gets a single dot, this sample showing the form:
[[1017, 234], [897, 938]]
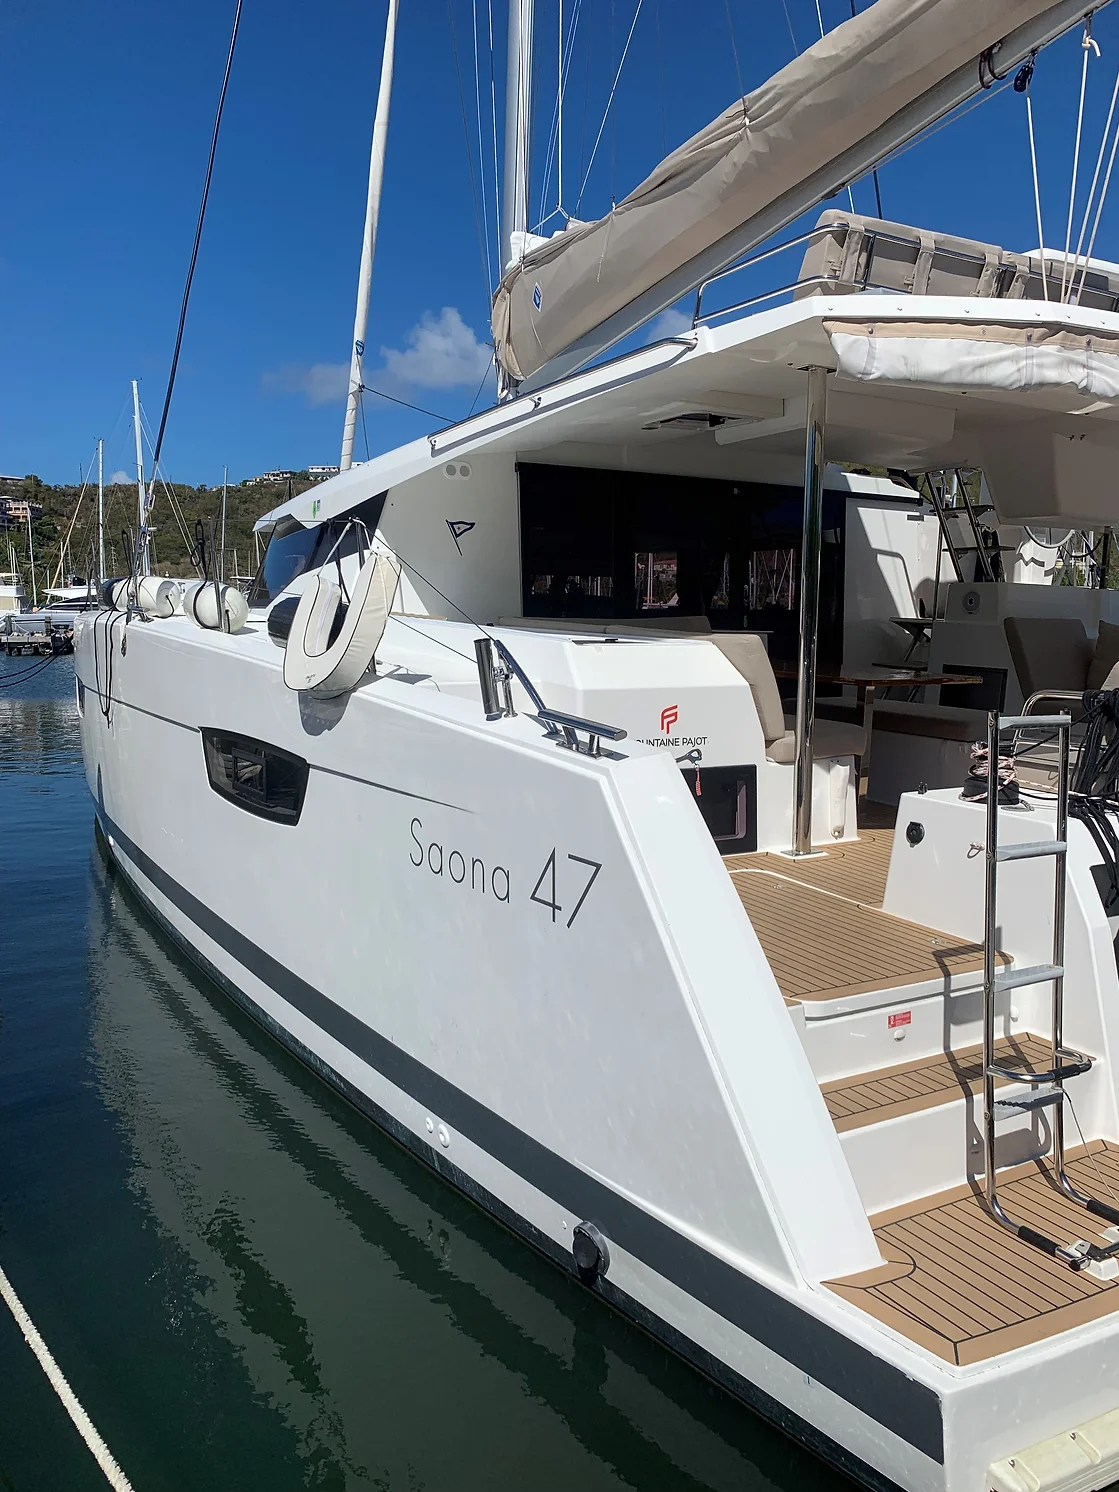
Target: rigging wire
[[1022, 85], [364, 430], [197, 236], [1099, 208], [789, 23], [481, 151], [435, 415], [469, 156], [820, 19], [172, 498], [555, 143], [1088, 45], [496, 184], [609, 103], [478, 394], [660, 82], [734, 53], [951, 118], [1095, 182], [874, 172]]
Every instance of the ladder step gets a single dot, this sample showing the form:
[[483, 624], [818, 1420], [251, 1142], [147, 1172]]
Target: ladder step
[[1040, 1098], [1035, 850], [1034, 974], [1015, 722]]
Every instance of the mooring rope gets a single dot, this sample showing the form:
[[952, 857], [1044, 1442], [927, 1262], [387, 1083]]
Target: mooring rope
[[84, 1425]]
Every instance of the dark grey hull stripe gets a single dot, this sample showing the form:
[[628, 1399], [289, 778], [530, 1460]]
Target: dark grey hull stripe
[[909, 1409]]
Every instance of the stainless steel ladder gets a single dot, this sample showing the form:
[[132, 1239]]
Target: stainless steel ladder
[[1046, 1088], [971, 511]]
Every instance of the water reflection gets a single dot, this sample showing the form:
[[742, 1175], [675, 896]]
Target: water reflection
[[38, 716], [404, 1338], [248, 1285]]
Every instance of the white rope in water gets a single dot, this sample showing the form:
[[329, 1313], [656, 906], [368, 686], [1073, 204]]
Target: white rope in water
[[1088, 46], [84, 1425], [1037, 196]]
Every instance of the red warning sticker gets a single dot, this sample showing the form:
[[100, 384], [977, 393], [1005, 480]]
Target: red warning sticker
[[900, 1018]]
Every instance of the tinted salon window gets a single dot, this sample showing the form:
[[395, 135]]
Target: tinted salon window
[[290, 551], [259, 778]]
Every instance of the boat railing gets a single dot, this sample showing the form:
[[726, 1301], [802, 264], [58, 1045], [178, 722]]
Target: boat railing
[[495, 678], [860, 284]]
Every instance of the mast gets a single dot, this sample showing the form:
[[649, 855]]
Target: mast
[[369, 242], [224, 494], [101, 509], [140, 558], [518, 116], [518, 129], [31, 558]]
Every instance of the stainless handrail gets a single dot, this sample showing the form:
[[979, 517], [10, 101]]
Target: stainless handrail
[[873, 236], [495, 683]]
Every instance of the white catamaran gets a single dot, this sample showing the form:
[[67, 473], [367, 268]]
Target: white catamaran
[[491, 810]]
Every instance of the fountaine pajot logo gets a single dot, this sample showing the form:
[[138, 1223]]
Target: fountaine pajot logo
[[669, 716]]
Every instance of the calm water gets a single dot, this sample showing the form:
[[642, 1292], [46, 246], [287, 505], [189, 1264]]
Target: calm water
[[245, 1283]]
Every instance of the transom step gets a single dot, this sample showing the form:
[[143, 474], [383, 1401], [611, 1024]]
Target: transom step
[[965, 1287], [873, 1097]]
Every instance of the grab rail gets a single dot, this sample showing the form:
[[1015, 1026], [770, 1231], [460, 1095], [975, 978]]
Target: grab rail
[[495, 681]]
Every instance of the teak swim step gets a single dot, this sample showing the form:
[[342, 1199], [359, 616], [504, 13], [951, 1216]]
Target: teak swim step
[[889, 1092], [963, 1286]]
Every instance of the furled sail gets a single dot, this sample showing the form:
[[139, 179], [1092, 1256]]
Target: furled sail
[[852, 82]]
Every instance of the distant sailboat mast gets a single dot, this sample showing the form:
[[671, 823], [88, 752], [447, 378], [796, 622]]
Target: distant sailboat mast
[[141, 558], [101, 509], [369, 241]]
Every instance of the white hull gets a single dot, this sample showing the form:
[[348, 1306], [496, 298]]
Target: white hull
[[636, 1068]]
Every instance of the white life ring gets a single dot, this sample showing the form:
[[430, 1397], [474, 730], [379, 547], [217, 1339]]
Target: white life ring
[[313, 664]]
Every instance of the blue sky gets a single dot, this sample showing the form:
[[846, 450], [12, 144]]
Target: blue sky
[[105, 118]]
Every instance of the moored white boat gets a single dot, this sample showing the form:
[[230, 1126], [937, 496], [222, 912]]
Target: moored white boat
[[736, 1092]]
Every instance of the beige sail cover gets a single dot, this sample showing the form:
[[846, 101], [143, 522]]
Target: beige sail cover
[[850, 83]]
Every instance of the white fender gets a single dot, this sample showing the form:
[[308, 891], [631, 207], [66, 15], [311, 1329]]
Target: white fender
[[156, 597], [310, 664], [201, 604]]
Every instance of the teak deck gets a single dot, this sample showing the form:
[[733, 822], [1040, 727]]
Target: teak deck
[[887, 1092], [822, 929], [963, 1286], [856, 869]]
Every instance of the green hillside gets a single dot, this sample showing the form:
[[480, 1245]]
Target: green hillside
[[62, 515]]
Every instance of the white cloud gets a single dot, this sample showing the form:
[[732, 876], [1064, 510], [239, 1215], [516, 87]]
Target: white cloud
[[119, 478], [670, 323], [319, 383], [442, 353]]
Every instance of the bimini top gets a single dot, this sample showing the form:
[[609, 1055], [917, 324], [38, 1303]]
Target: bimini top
[[1026, 390], [873, 82]]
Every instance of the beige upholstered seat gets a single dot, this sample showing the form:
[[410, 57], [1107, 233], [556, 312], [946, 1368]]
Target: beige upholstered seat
[[829, 737]]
